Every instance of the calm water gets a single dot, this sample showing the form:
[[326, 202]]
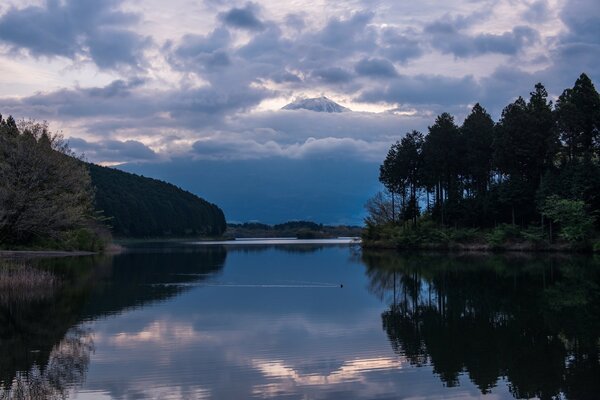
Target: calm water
[[271, 320]]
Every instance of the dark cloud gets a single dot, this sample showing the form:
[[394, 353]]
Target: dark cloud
[[348, 34], [268, 48], [113, 150], [400, 46], [118, 88], [447, 37], [575, 50], [538, 11], [128, 105], [192, 45], [286, 77], [295, 21], [425, 89], [201, 53], [376, 67], [243, 18], [332, 75], [89, 28]]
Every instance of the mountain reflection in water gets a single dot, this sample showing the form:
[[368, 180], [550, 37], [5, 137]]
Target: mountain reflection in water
[[173, 320]]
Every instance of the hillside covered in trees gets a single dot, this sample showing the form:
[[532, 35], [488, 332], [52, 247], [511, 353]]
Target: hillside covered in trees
[[50, 199], [46, 195], [137, 206], [533, 176]]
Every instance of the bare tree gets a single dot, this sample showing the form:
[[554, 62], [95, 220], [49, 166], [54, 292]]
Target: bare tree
[[380, 209]]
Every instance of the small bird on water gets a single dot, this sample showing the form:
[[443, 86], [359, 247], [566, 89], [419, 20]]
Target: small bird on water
[[341, 285]]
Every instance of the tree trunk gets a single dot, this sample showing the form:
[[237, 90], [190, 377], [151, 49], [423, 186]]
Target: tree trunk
[[393, 208]]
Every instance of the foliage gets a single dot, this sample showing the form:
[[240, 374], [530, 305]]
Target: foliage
[[45, 192], [137, 206], [576, 224], [486, 175]]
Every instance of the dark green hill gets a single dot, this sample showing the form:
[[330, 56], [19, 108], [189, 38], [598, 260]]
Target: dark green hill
[[144, 207]]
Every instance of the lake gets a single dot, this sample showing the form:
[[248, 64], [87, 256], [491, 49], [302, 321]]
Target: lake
[[305, 320]]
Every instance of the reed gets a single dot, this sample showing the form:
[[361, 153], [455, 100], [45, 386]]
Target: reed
[[19, 281]]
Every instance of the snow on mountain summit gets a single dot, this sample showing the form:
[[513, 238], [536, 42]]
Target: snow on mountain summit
[[319, 104]]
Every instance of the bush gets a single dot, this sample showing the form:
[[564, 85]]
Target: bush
[[502, 234], [576, 225]]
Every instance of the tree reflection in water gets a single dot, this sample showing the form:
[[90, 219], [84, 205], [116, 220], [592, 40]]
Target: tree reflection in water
[[532, 321], [44, 351], [65, 369]]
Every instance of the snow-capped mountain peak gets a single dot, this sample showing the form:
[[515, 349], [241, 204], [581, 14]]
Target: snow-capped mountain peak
[[319, 104]]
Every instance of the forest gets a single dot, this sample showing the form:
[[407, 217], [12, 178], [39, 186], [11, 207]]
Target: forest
[[46, 195], [51, 199], [533, 176], [136, 206]]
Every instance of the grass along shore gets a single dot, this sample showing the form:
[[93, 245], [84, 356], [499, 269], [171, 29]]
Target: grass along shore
[[505, 237], [19, 281]]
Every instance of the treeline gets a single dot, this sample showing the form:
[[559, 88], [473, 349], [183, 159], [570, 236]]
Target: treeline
[[136, 206], [292, 229], [51, 199], [46, 195], [538, 165]]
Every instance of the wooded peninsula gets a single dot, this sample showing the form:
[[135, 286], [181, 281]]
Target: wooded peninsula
[[51, 199], [530, 181]]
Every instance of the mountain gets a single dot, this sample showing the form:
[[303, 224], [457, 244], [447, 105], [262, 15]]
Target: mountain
[[319, 104], [271, 190], [143, 207]]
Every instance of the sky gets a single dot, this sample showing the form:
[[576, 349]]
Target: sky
[[191, 91]]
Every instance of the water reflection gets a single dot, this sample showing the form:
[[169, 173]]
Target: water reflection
[[65, 369], [32, 328], [219, 321], [533, 321]]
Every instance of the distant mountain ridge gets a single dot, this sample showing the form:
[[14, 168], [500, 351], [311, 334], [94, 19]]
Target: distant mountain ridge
[[318, 104]]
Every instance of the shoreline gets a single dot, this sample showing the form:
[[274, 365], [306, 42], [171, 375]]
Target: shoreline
[[111, 249], [42, 253], [480, 248]]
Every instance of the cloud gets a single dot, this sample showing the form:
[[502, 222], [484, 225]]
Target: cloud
[[113, 150], [243, 18], [376, 67], [538, 11], [203, 53], [352, 33], [332, 75], [425, 89], [447, 37], [128, 108], [208, 84], [399, 45], [91, 29], [235, 148]]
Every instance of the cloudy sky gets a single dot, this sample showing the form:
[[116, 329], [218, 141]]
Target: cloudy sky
[[191, 91]]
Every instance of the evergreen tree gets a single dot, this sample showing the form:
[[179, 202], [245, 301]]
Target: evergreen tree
[[578, 116], [478, 135], [442, 157]]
